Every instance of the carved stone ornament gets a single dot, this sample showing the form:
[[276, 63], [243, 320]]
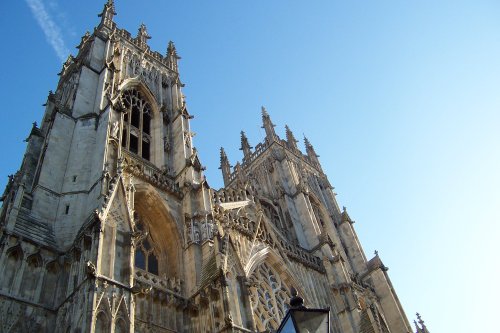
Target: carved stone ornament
[[91, 269], [279, 153], [115, 129]]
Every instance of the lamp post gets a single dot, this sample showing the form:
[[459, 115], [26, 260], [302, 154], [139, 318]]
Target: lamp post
[[300, 319]]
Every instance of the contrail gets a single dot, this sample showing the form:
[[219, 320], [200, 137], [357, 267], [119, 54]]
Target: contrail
[[50, 28]]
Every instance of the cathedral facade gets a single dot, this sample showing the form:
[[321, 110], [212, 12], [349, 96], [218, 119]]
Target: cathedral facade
[[109, 225]]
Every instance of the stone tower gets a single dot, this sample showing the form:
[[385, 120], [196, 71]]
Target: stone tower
[[110, 226]]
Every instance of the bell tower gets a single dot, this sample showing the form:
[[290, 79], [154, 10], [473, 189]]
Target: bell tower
[[100, 202], [297, 202], [109, 225]]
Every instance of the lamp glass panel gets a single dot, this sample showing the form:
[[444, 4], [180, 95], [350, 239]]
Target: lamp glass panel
[[288, 326], [311, 321]]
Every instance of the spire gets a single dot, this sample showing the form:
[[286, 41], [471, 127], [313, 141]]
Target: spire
[[108, 13], [290, 139], [142, 34], [223, 157], [422, 328], [224, 166], [268, 126], [245, 146], [311, 153], [172, 56], [307, 143], [418, 330]]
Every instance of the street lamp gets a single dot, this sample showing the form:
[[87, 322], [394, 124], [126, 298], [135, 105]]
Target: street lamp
[[300, 319]]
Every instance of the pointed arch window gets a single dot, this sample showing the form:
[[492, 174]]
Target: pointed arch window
[[102, 323], [31, 275], [136, 135], [271, 213], [317, 211], [12, 266], [270, 298], [145, 251]]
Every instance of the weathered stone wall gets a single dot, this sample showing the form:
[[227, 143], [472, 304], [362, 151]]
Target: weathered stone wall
[[98, 238]]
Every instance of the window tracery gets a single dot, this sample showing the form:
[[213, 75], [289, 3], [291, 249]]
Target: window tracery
[[145, 251], [270, 298], [317, 211], [271, 213], [136, 135]]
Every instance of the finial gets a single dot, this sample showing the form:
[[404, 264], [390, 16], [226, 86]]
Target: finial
[[172, 56], [170, 48], [313, 157], [420, 321], [66, 64], [172, 51], [268, 126], [225, 167], [223, 155], [245, 145], [84, 39], [307, 143], [142, 34], [264, 112], [108, 13], [375, 252], [345, 216], [290, 138], [224, 161], [243, 135], [296, 302]]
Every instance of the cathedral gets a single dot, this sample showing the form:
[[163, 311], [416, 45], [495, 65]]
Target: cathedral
[[109, 224]]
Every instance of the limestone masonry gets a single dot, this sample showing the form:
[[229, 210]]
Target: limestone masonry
[[110, 226]]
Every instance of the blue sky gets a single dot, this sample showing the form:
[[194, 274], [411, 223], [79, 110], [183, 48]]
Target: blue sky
[[399, 98]]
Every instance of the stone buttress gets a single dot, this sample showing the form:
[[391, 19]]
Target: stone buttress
[[110, 225]]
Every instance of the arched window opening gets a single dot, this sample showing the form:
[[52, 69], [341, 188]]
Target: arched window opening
[[136, 135], [12, 265], [50, 283], [156, 238], [270, 299], [120, 326], [102, 323], [31, 275], [317, 212], [145, 251], [271, 213]]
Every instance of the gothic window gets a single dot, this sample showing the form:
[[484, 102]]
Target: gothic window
[[31, 275], [12, 265], [271, 213], [102, 323], [136, 135], [319, 215], [50, 283], [270, 298], [145, 252], [120, 326]]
